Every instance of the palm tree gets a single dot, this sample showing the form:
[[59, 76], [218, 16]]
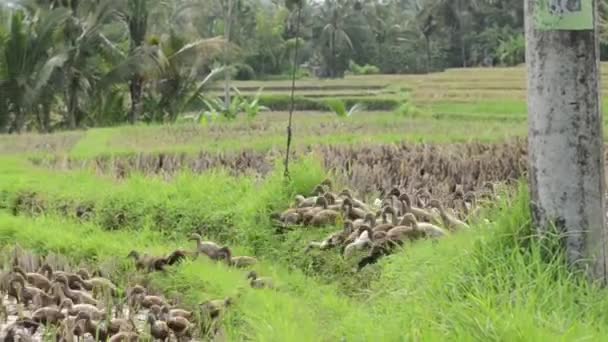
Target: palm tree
[[27, 64], [84, 40], [179, 66], [334, 37], [421, 22], [136, 18]]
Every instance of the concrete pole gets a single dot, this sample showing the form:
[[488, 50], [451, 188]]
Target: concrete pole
[[565, 137]]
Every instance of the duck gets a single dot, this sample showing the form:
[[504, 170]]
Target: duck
[[77, 296], [310, 213], [347, 195], [149, 300], [36, 279], [26, 294], [386, 226], [403, 232], [215, 308], [150, 263], [159, 330], [180, 327], [369, 219], [73, 310], [451, 222], [325, 216], [257, 282], [333, 239], [238, 261], [429, 229], [99, 284], [351, 212], [377, 251], [208, 248], [125, 336], [363, 240], [422, 214], [177, 312], [305, 202], [48, 315], [73, 278], [98, 331], [116, 325], [21, 330]]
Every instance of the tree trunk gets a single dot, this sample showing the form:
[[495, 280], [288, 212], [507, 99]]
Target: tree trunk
[[565, 141], [227, 24], [72, 97], [427, 40], [136, 88], [463, 49]]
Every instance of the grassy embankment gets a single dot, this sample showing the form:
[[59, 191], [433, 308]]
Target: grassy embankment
[[491, 283]]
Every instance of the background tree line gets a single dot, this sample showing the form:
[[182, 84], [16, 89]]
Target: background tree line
[[79, 63]]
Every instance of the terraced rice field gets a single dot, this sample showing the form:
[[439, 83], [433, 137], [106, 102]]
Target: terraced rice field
[[91, 197]]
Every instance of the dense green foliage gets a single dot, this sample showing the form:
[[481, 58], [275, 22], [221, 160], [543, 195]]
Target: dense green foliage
[[99, 63]]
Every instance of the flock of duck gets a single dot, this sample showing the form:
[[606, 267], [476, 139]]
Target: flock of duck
[[377, 228], [67, 306]]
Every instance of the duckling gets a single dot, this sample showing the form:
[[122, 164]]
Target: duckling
[[377, 252], [125, 336], [177, 312], [159, 330], [332, 202], [238, 261], [73, 310], [77, 296], [384, 227], [404, 232], [73, 279], [318, 190], [347, 195], [98, 331], [450, 221], [135, 295], [334, 239], [309, 214], [304, 202], [422, 214], [150, 263], [25, 293], [180, 327], [117, 325], [36, 279], [99, 283], [48, 315], [148, 301], [363, 240], [21, 331], [259, 283], [208, 248], [215, 308], [325, 216], [429, 229], [351, 212], [369, 219]]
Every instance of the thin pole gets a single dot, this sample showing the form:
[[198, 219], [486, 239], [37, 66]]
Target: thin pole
[[293, 91]]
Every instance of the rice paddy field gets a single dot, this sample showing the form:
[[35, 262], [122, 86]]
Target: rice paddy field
[[91, 196]]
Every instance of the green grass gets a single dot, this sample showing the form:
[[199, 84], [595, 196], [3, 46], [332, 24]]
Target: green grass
[[493, 283], [265, 133]]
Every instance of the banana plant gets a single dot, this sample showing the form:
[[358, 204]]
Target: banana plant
[[339, 108], [251, 108]]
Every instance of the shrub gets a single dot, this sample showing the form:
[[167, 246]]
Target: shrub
[[243, 72], [366, 69]]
